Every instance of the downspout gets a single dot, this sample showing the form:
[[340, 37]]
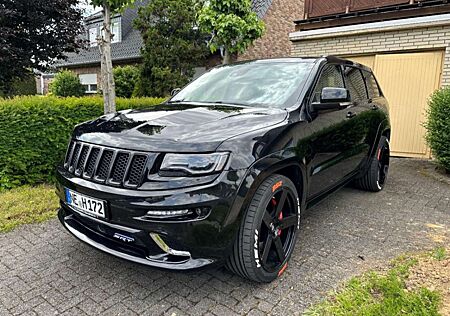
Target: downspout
[[42, 83]]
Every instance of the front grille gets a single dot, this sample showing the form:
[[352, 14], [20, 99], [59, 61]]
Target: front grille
[[92, 162], [120, 167], [75, 156], [107, 165], [139, 162], [80, 164], [104, 165]]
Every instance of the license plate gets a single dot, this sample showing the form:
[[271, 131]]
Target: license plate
[[86, 204]]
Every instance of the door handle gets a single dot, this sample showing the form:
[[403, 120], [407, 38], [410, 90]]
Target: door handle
[[351, 115]]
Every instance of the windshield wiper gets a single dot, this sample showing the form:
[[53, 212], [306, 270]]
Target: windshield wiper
[[224, 103], [176, 101], [230, 103]]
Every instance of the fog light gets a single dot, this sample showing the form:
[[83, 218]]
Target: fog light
[[202, 211]]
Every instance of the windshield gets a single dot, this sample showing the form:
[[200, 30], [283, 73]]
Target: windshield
[[258, 84]]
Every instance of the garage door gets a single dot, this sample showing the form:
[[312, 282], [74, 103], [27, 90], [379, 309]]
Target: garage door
[[407, 80]]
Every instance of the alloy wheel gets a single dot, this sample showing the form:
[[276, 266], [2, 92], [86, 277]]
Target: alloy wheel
[[277, 231], [383, 164]]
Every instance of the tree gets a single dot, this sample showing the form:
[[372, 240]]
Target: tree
[[173, 45], [232, 24], [109, 7], [35, 33], [125, 79], [26, 85], [67, 84]]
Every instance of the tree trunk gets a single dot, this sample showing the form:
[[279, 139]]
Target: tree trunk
[[108, 85], [226, 57], [103, 77]]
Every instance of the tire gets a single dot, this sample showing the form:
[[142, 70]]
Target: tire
[[257, 254], [376, 175]]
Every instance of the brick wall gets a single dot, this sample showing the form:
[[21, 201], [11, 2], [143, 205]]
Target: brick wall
[[405, 40], [90, 70], [279, 22], [47, 80]]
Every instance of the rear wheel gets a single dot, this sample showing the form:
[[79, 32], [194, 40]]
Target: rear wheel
[[375, 178], [268, 232]]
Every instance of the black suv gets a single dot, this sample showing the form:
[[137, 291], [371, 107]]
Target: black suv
[[224, 170]]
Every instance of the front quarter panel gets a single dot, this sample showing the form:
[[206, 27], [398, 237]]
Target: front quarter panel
[[263, 154]]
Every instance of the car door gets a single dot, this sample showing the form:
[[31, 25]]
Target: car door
[[324, 136], [378, 119], [334, 137], [360, 117]]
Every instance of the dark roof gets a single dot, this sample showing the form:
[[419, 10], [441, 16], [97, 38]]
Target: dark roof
[[261, 7], [130, 47]]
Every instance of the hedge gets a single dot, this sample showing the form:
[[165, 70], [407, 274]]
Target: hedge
[[34, 133], [438, 126]]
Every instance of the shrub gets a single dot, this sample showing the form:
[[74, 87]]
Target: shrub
[[438, 126], [125, 78], [67, 84], [24, 86], [34, 133]]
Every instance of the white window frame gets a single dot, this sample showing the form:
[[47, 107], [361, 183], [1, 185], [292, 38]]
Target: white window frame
[[93, 31], [116, 23], [90, 82]]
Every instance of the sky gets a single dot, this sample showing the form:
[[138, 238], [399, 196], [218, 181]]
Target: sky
[[88, 9]]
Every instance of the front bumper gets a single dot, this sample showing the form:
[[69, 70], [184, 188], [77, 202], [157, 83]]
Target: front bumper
[[125, 234], [127, 252]]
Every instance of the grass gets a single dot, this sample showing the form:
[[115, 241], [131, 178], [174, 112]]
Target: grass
[[440, 253], [26, 205], [380, 294]]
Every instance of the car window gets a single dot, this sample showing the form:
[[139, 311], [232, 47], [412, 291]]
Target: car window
[[258, 84], [372, 86], [331, 77], [355, 84]]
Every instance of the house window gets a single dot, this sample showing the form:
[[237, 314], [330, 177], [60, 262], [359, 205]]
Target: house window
[[116, 31], [89, 82], [93, 32]]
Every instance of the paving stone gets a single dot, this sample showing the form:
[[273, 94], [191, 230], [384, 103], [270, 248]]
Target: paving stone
[[45, 271]]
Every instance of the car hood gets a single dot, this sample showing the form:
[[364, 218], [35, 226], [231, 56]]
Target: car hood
[[177, 127]]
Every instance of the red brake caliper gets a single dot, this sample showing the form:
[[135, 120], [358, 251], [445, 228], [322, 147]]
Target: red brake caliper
[[274, 203], [280, 218]]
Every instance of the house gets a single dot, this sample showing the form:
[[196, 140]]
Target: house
[[127, 42], [125, 47], [405, 42], [278, 16]]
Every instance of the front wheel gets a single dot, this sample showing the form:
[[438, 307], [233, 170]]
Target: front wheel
[[268, 232], [376, 175]]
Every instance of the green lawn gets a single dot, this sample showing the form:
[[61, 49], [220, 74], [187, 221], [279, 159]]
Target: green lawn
[[27, 205], [380, 294]]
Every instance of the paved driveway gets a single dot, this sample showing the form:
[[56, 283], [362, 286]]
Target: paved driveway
[[43, 270]]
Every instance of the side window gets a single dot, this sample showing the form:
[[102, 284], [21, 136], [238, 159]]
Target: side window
[[372, 86], [331, 77], [355, 84]]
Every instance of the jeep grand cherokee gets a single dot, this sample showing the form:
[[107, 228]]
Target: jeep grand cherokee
[[223, 171]]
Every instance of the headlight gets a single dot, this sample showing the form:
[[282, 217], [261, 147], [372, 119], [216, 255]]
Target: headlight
[[193, 165]]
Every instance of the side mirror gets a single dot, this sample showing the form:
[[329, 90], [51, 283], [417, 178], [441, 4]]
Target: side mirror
[[332, 99], [175, 92]]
